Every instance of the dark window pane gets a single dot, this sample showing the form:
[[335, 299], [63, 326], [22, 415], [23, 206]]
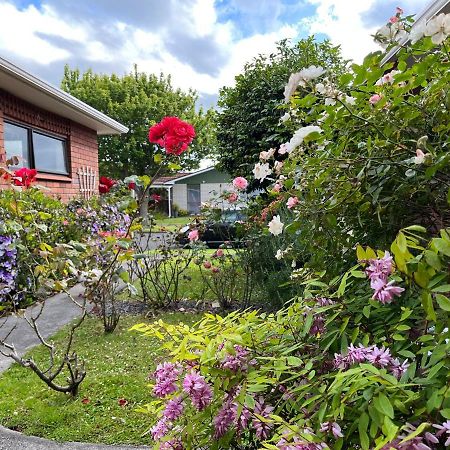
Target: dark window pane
[[16, 143], [49, 154]]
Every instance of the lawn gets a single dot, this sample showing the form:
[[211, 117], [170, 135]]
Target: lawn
[[170, 224], [118, 366]]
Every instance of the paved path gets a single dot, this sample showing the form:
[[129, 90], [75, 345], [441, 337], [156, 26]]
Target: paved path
[[11, 440], [59, 310]]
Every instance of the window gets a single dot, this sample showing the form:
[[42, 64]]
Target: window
[[35, 150], [193, 198]]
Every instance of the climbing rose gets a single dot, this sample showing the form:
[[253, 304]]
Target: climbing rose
[[276, 226], [173, 134], [24, 177], [261, 171], [374, 99], [233, 197], [292, 201], [240, 183], [198, 390], [193, 235]]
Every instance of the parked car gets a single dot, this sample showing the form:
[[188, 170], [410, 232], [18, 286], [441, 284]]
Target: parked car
[[214, 233]]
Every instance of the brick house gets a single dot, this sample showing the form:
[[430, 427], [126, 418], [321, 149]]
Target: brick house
[[52, 132]]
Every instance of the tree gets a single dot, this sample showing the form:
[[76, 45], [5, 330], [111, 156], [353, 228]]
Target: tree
[[249, 120], [138, 100]]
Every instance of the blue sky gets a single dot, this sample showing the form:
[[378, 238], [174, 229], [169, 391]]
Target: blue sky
[[203, 44]]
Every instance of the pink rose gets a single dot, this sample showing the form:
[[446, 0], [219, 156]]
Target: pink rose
[[207, 265], [292, 201], [232, 197], [374, 99], [219, 252], [193, 235], [240, 183], [277, 187], [393, 19]]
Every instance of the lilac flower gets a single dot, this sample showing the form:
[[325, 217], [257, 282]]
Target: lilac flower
[[380, 268], [166, 375], [385, 292], [398, 369], [262, 428], [322, 301], [444, 429], [332, 427], [8, 270], [357, 354], [172, 444], [224, 418], [243, 420], [198, 390], [238, 361], [379, 357], [416, 443], [174, 408], [160, 429]]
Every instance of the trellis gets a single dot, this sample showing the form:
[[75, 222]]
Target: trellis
[[87, 178]]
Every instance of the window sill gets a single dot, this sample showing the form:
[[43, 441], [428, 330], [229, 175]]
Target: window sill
[[54, 177]]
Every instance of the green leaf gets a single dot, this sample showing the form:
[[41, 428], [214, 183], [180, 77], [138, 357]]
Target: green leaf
[[427, 304], [363, 424], [157, 158], [442, 288], [443, 302], [383, 405], [442, 246]]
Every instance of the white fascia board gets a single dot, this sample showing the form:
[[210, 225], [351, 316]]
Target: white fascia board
[[22, 84]]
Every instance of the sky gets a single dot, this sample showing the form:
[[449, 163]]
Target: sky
[[202, 44]]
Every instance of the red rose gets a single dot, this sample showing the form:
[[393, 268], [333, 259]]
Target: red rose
[[106, 184], [24, 177], [173, 134], [132, 186], [155, 197]]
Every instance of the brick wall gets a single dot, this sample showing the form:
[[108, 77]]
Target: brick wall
[[82, 147]]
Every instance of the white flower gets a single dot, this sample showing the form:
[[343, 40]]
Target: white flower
[[276, 226], [420, 157], [300, 79], [350, 100], [277, 167], [285, 117], [392, 32], [293, 263], [300, 135], [330, 101], [387, 78], [417, 32], [438, 28], [261, 171], [279, 254], [267, 155], [283, 149]]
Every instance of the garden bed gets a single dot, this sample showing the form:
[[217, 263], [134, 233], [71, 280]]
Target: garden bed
[[118, 366]]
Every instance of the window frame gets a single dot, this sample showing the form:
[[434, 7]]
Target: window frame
[[30, 150]]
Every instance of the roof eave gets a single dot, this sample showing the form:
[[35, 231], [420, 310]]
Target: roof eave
[[106, 125]]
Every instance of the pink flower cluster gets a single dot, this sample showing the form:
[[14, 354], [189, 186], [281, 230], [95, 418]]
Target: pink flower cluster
[[298, 443], [166, 375], [333, 428], [198, 389], [224, 418], [262, 409], [378, 272], [238, 361], [378, 356]]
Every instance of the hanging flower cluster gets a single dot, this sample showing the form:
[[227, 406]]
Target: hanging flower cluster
[[22, 177], [8, 269], [378, 356], [378, 272], [173, 134]]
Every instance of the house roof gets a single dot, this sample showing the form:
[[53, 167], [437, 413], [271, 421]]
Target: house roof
[[169, 180], [434, 8], [22, 84]]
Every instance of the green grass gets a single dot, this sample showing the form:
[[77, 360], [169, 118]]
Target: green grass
[[170, 224], [117, 366]]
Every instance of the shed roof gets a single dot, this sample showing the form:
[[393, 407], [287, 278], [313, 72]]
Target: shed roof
[[26, 86]]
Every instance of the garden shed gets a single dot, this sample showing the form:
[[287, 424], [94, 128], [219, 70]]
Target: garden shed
[[51, 131], [188, 190]]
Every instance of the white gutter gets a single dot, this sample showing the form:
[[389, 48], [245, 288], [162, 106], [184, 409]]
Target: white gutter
[[24, 80], [430, 11], [193, 174]]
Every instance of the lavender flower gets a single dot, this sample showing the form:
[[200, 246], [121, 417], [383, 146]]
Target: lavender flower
[[166, 375], [160, 429], [332, 427], [262, 428], [238, 361], [174, 409], [198, 390], [224, 418], [444, 429]]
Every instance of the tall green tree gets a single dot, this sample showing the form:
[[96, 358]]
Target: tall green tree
[[138, 100], [249, 117]]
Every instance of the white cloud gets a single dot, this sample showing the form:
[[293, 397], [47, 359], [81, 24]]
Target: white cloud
[[342, 21]]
